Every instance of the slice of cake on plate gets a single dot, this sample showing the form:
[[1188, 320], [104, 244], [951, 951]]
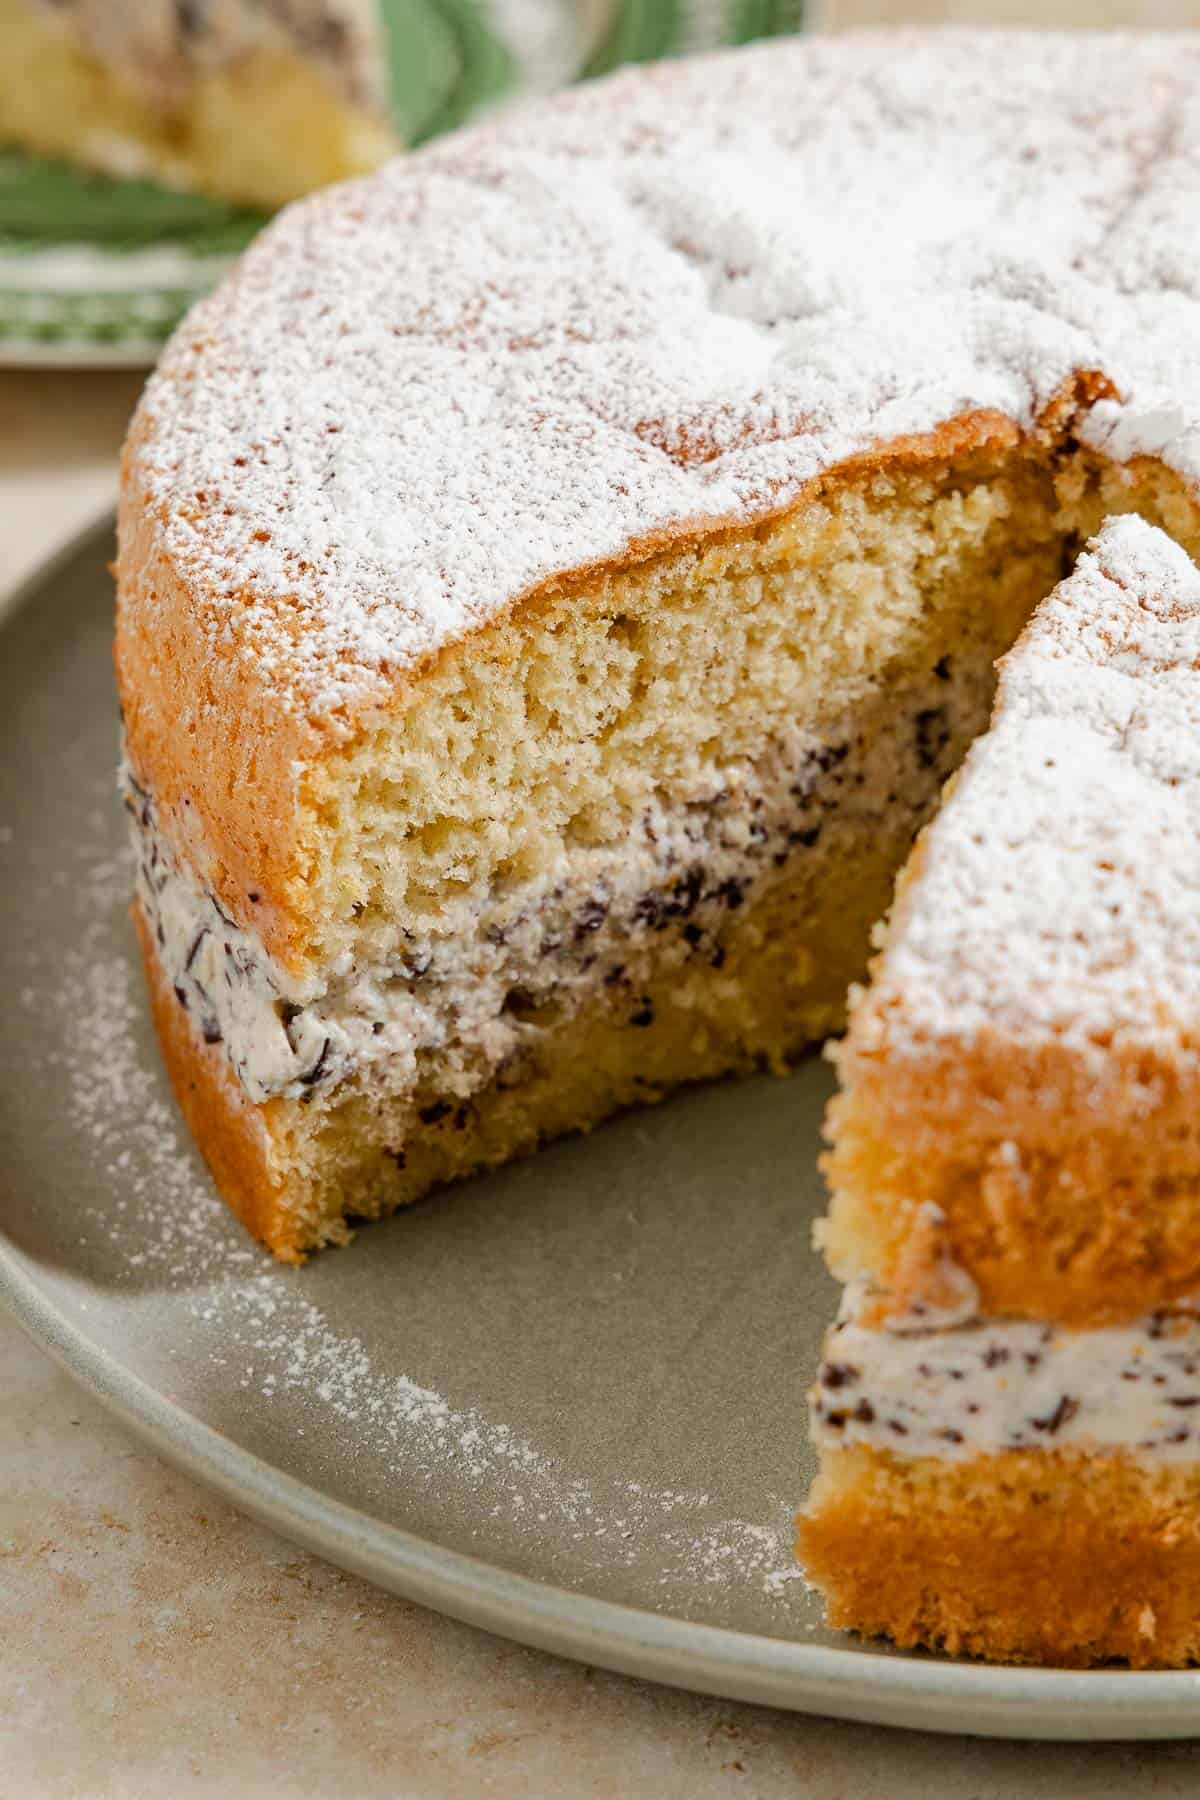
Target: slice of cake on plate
[[557, 575], [251, 100], [1008, 1409]]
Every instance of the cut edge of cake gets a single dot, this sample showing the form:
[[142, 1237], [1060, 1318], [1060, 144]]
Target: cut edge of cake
[[1024, 1066], [1024, 1488]]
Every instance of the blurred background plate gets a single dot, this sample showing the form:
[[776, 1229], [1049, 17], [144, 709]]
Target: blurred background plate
[[97, 272]]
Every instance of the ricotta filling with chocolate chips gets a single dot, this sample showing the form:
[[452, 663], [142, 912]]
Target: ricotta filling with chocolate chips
[[991, 1385], [479, 991]]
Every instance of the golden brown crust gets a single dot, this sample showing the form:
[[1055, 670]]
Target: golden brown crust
[[1027, 1557], [232, 1133], [226, 766], [1060, 1232]]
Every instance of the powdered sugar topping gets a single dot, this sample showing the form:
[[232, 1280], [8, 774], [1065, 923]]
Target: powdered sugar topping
[[667, 300], [1058, 890]]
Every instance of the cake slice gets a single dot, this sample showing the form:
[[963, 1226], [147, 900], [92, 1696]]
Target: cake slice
[[1020, 1085], [251, 100], [1007, 1410]]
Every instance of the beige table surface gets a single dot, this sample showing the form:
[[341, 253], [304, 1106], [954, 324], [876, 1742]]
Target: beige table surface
[[154, 1643]]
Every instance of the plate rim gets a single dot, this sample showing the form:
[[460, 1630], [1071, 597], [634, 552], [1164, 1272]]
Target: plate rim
[[909, 1690], [75, 353]]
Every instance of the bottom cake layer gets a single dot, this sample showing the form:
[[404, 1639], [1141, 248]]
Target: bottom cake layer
[[1062, 1557], [299, 1172], [1007, 1488]]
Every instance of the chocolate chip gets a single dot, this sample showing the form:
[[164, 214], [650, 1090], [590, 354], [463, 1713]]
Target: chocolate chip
[[192, 17], [644, 1014], [693, 935], [1062, 1415], [288, 1014], [994, 1355], [864, 1412], [941, 668], [933, 734], [836, 1375], [314, 1074], [591, 918], [615, 974], [717, 959], [648, 911], [685, 895], [399, 1157], [435, 1112]]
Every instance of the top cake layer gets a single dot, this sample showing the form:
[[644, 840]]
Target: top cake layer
[[1021, 1080], [1055, 898], [651, 307]]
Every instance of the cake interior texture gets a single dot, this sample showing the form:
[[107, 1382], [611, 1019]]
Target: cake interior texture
[[251, 101], [634, 833], [1035, 1556]]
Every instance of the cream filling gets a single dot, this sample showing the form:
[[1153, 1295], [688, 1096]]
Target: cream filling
[[474, 995], [993, 1385]]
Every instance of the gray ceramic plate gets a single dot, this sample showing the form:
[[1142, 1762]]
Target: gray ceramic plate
[[564, 1402]]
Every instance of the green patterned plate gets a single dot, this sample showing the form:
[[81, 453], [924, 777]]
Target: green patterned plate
[[99, 271]]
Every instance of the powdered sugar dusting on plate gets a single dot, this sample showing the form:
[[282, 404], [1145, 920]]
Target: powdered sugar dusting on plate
[[267, 1342], [666, 300]]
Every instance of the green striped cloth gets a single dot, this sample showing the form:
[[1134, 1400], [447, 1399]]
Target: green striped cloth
[[93, 269]]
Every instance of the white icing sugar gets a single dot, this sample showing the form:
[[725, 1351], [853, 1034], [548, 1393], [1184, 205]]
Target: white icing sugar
[[665, 301], [1058, 890], [995, 1385]]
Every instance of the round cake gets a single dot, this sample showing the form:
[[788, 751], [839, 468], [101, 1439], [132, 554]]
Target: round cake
[[557, 573], [556, 577]]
